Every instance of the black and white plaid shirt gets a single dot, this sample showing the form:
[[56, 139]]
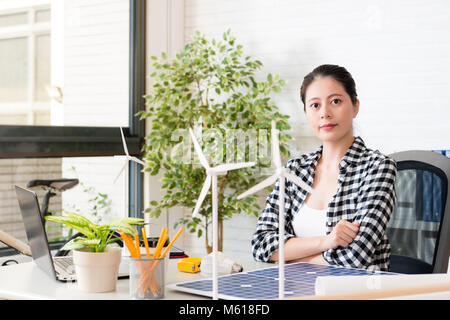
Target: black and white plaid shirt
[[365, 193]]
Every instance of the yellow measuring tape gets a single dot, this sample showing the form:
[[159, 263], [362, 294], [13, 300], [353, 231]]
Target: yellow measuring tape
[[191, 265]]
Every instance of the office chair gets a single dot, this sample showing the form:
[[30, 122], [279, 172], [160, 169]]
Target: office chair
[[420, 224]]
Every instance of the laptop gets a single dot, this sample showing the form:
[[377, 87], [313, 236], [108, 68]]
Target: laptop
[[60, 268]]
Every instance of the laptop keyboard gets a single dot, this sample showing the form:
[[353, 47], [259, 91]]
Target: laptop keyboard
[[65, 264]]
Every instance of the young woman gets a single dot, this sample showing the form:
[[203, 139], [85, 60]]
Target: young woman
[[350, 229]]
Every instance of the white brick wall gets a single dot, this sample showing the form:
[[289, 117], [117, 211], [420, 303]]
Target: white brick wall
[[165, 32], [397, 52], [96, 34]]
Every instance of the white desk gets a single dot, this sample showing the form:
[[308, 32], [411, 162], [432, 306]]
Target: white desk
[[27, 281]]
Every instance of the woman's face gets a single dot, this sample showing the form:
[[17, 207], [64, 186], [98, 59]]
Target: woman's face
[[329, 109]]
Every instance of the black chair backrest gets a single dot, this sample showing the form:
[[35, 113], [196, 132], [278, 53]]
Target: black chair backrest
[[420, 224]]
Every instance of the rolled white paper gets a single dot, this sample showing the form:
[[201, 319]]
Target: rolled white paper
[[330, 285]]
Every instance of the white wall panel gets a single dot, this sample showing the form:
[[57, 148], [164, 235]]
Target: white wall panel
[[397, 51]]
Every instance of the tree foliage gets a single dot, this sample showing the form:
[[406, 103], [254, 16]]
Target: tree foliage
[[211, 85]]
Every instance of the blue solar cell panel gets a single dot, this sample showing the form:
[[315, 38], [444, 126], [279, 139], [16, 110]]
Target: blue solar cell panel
[[300, 280], [246, 286]]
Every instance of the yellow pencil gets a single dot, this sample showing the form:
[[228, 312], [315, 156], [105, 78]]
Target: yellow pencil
[[144, 235], [159, 244], [128, 243], [148, 274], [138, 248], [172, 242]]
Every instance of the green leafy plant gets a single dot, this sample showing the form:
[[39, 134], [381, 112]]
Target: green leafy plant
[[96, 237], [211, 85]]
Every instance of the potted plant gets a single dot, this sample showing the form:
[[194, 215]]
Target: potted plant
[[210, 85], [96, 262]]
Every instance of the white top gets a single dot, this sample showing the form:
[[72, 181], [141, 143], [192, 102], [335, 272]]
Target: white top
[[309, 222]]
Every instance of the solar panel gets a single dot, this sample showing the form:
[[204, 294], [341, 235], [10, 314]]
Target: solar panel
[[300, 280]]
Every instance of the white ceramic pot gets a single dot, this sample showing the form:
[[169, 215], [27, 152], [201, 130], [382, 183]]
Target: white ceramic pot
[[97, 271]]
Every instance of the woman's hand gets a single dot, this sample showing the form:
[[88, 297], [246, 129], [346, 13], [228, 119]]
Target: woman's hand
[[342, 235]]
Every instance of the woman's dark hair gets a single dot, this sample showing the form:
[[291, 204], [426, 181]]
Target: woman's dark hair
[[338, 73]]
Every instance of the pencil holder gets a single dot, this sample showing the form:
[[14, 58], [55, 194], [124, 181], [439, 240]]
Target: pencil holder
[[147, 278]]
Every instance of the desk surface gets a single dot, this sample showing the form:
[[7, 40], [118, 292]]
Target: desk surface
[[27, 281]]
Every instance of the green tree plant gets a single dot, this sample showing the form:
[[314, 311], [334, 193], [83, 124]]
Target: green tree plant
[[211, 85]]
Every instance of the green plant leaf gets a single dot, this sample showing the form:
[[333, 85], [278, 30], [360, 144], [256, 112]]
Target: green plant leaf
[[75, 221], [126, 224], [77, 243], [97, 236]]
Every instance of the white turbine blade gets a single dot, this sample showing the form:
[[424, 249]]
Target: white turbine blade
[[233, 166], [120, 172], [203, 193], [275, 146], [126, 150], [302, 184], [137, 160], [199, 151], [263, 184], [124, 143]]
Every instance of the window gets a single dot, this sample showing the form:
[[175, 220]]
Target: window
[[65, 63], [25, 66], [72, 73]]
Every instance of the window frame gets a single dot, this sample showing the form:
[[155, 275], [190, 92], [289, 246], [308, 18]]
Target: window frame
[[30, 141]]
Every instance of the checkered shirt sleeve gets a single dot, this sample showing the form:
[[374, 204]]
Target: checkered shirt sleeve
[[376, 199]]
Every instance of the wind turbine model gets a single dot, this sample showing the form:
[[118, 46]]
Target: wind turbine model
[[211, 178], [127, 157], [282, 174]]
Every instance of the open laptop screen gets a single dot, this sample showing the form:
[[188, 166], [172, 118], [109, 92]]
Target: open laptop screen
[[37, 238]]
